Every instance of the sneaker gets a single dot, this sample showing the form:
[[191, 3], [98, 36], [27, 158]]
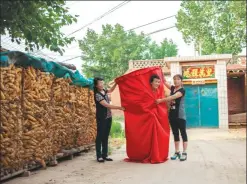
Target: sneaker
[[183, 157], [175, 156]]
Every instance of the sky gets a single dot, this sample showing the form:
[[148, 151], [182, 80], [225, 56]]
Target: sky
[[133, 14]]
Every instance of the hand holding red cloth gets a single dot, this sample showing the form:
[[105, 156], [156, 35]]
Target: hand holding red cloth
[[146, 123]]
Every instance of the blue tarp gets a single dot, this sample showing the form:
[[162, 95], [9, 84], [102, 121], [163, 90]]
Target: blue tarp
[[21, 59], [4, 61]]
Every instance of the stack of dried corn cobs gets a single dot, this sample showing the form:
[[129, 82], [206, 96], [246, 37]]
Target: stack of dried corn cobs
[[11, 146], [10, 83], [37, 85], [63, 114], [61, 90], [61, 127], [87, 131], [72, 115], [37, 115], [41, 116]]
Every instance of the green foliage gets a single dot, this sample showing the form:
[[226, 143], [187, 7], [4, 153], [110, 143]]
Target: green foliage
[[110, 150], [118, 118], [107, 54], [37, 22], [165, 49], [213, 26], [116, 130]]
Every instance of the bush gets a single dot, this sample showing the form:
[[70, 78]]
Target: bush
[[118, 118], [116, 130]]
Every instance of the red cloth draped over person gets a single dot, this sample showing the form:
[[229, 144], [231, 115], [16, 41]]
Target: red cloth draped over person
[[146, 123]]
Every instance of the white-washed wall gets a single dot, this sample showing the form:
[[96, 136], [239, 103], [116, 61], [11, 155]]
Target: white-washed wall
[[175, 69], [221, 76]]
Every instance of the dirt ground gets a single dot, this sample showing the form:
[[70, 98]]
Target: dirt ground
[[214, 157]]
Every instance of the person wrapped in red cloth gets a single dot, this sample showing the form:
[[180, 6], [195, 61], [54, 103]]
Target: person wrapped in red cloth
[[146, 123]]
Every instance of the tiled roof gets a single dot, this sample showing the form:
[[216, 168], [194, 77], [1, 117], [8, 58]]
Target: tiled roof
[[236, 67], [241, 65]]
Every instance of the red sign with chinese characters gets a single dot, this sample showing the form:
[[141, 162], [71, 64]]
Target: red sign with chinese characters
[[198, 72]]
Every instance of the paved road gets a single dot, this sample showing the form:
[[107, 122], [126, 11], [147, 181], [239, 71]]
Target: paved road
[[214, 157]]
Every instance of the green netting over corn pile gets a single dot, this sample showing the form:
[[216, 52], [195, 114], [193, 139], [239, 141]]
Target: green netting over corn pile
[[21, 59]]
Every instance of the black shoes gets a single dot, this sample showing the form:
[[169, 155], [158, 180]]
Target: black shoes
[[108, 159], [101, 160]]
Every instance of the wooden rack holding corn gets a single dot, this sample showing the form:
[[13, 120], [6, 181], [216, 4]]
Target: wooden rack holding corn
[[40, 116]]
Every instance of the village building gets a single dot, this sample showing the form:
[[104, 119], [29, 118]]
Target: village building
[[236, 91], [215, 89]]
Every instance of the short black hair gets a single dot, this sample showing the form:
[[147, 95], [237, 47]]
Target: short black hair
[[154, 76], [179, 76]]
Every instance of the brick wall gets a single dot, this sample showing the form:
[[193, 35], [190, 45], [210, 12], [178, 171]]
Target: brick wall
[[238, 118], [236, 95]]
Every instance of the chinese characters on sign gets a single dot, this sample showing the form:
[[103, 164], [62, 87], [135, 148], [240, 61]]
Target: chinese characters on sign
[[198, 72]]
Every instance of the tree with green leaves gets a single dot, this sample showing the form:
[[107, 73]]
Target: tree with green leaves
[[37, 22], [167, 48], [107, 54], [213, 26]]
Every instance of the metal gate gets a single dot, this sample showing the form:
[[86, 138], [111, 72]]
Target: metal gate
[[201, 106]]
